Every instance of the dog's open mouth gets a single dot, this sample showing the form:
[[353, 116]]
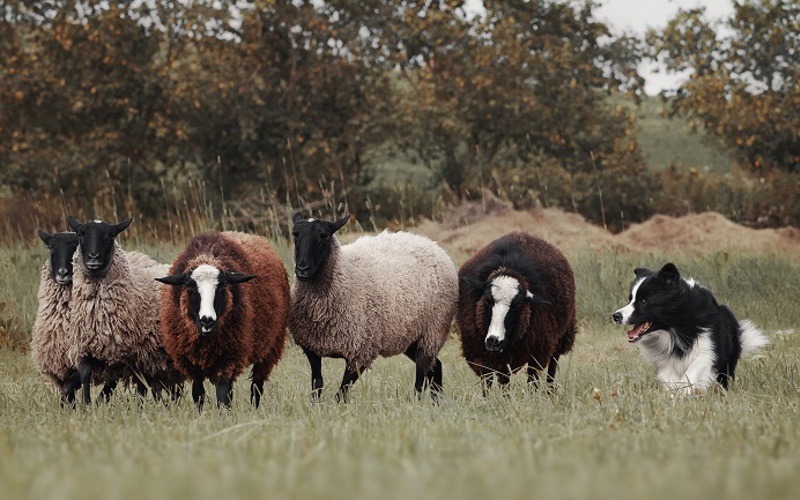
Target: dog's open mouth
[[638, 330]]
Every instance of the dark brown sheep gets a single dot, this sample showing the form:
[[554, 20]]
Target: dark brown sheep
[[213, 325], [516, 306]]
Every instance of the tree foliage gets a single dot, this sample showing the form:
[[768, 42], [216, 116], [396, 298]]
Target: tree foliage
[[744, 87], [285, 96]]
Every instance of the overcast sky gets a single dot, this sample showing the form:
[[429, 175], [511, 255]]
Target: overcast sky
[[638, 16]]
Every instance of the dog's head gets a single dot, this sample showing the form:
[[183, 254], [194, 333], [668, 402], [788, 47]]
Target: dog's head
[[653, 297]]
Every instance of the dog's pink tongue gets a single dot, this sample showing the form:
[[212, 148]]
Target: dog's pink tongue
[[637, 330]]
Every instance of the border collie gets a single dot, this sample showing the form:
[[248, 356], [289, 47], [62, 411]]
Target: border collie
[[690, 339]]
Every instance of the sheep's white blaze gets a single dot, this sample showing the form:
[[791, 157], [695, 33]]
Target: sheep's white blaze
[[503, 289], [207, 278], [627, 311]]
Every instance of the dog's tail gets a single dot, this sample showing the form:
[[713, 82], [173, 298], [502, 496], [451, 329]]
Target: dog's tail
[[751, 338]]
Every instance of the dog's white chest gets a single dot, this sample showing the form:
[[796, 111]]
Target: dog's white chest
[[689, 373]]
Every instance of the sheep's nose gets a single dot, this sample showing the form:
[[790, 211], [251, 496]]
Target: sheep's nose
[[617, 317], [206, 324], [93, 255], [62, 271], [494, 344], [302, 267]]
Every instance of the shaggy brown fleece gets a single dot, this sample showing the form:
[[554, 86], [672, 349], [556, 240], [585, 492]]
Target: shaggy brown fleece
[[251, 324], [543, 331]]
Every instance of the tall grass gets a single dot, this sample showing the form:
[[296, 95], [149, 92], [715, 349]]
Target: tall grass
[[608, 432]]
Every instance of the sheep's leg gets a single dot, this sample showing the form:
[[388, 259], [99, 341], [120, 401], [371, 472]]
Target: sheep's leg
[[489, 378], [85, 374], [141, 387], [108, 390], [349, 378], [435, 380], [533, 375], [224, 392], [198, 393], [552, 366], [422, 375], [175, 391], [256, 390], [68, 389], [316, 374]]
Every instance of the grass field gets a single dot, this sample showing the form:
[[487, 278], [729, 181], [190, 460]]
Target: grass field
[[608, 432]]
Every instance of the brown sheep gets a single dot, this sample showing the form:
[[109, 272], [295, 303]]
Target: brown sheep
[[516, 306], [212, 325]]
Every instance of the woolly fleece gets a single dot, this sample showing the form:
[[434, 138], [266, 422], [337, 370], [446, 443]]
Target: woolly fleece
[[50, 336], [252, 328], [115, 318], [376, 297], [547, 330]]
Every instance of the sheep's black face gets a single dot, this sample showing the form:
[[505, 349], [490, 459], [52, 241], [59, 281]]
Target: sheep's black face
[[312, 244], [96, 240], [62, 246], [208, 293]]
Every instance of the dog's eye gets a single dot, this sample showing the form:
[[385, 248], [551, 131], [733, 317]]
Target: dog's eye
[[643, 301]]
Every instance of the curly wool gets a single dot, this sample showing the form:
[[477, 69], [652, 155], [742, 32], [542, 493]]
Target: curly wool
[[252, 330], [545, 331], [115, 318], [50, 336], [376, 297]]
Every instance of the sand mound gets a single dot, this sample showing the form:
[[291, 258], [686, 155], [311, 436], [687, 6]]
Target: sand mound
[[469, 227]]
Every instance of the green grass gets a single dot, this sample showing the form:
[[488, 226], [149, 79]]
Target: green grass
[[609, 431], [668, 142]]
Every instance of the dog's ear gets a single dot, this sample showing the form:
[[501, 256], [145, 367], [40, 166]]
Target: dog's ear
[[669, 274], [641, 272]]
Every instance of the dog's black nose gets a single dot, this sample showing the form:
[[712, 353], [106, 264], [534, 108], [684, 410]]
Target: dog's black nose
[[617, 317]]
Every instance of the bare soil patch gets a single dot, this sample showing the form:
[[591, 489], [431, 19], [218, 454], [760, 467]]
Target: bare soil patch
[[469, 226]]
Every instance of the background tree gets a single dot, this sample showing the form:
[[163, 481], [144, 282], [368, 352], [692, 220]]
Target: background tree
[[744, 87]]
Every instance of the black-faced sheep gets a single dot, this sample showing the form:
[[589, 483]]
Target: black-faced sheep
[[50, 340], [212, 325], [516, 306], [394, 293], [115, 313]]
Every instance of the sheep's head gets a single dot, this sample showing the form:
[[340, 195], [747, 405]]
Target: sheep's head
[[312, 244], [96, 240], [503, 309], [207, 294], [62, 246]]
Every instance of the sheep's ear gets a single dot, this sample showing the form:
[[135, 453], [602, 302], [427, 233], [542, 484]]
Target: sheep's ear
[[535, 299], [73, 222], [641, 271], [45, 236], [335, 226], [174, 279], [476, 284], [297, 217], [234, 278], [669, 274], [118, 228]]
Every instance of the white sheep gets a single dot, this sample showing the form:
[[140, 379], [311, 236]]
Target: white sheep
[[115, 314], [394, 293]]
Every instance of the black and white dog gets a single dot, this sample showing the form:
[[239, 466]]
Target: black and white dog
[[690, 339]]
